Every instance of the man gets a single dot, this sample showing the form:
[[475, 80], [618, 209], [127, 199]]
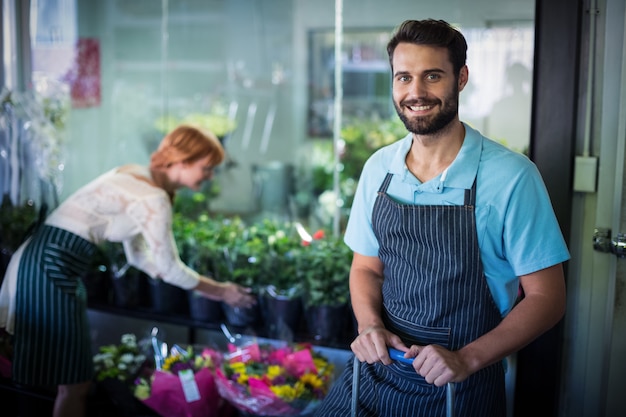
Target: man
[[445, 226]]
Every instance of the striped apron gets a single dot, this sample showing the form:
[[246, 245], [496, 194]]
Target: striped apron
[[434, 292], [52, 340]]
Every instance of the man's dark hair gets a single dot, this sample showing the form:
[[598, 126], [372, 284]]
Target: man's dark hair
[[433, 33]]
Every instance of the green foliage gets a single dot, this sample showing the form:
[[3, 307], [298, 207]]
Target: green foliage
[[15, 222], [363, 137], [276, 245], [192, 203], [217, 122], [230, 251], [205, 243], [264, 254], [227, 249], [324, 268]]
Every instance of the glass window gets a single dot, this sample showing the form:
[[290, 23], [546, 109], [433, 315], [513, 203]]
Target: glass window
[[261, 75]]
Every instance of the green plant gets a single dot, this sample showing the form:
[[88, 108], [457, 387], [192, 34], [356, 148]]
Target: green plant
[[121, 362], [216, 121], [229, 250], [364, 136], [276, 247], [361, 138], [192, 203], [15, 222], [206, 243], [324, 268]]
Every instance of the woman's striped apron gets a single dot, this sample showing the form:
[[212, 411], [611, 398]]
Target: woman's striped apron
[[52, 339]]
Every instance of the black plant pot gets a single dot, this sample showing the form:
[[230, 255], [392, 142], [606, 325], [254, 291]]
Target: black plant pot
[[204, 309], [327, 323], [128, 288], [241, 317], [167, 298], [97, 283], [281, 315]]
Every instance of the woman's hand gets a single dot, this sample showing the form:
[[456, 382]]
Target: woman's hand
[[237, 296], [232, 294]]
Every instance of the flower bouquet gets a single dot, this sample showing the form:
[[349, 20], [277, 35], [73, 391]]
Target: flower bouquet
[[122, 362], [184, 386], [116, 367], [267, 380]]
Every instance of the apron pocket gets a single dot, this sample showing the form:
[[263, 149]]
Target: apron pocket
[[63, 268], [414, 334]]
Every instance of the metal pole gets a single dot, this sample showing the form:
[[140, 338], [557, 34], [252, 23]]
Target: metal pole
[[356, 385], [337, 112], [16, 50]]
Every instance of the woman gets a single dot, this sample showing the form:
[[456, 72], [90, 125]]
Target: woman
[[43, 300]]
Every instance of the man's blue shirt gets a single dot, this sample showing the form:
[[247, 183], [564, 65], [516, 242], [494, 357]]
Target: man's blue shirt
[[518, 232]]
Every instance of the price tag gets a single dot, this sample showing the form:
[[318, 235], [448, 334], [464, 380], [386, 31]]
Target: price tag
[[190, 388]]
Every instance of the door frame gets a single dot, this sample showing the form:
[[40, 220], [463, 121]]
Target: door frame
[[590, 366], [553, 132]]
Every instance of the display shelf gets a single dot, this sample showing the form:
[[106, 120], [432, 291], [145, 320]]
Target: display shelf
[[192, 325], [137, 296]]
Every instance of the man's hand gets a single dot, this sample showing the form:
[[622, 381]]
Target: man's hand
[[372, 343], [438, 365]]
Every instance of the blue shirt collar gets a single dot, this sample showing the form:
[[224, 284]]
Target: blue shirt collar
[[461, 172]]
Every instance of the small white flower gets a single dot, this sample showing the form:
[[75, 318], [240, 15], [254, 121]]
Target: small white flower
[[127, 358], [129, 340]]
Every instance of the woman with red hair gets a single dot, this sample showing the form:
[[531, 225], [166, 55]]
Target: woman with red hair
[[43, 300]]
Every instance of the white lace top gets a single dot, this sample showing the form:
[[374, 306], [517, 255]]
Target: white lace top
[[120, 207]]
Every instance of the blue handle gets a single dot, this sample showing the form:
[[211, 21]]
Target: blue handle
[[398, 355]]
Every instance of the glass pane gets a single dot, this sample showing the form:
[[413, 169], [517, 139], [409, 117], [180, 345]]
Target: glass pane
[[261, 74], [497, 99]]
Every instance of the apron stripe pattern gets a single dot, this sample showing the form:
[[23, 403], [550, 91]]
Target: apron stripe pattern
[[434, 292], [51, 341]]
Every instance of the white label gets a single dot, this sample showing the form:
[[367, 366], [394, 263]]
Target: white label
[[190, 388]]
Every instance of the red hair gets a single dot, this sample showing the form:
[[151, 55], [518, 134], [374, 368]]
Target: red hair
[[187, 144]]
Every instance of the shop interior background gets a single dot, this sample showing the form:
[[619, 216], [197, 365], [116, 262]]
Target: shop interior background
[[121, 68]]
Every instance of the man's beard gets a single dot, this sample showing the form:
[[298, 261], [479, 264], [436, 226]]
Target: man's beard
[[428, 125]]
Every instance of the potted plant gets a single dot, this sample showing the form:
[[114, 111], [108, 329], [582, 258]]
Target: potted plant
[[15, 221], [274, 246], [324, 267], [204, 244], [231, 261]]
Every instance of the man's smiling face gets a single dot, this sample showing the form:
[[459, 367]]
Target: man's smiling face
[[425, 88]]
